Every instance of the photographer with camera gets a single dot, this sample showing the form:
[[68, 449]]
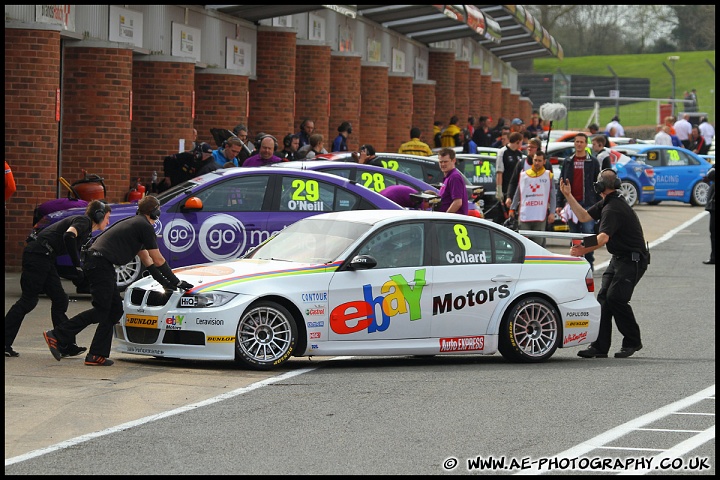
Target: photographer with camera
[[621, 231], [117, 245]]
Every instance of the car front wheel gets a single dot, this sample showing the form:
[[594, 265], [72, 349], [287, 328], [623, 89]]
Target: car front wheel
[[266, 336], [530, 332], [629, 192], [699, 196]]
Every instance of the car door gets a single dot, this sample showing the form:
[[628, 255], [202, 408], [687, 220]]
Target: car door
[[231, 221], [677, 174], [476, 270], [390, 301]]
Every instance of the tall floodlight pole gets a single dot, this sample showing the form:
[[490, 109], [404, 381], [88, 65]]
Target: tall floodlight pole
[[673, 59]]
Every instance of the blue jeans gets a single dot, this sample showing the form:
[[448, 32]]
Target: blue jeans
[[584, 227]]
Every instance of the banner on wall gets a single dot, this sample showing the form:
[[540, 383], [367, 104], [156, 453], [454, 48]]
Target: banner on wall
[[239, 55], [126, 26], [185, 41], [63, 15]]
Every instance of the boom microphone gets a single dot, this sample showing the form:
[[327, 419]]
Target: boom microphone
[[553, 111]]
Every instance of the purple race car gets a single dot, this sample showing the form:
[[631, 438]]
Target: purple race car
[[221, 215]]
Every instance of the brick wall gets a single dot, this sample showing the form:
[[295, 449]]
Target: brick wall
[[400, 111], [344, 99], [475, 93], [441, 68], [424, 111], [514, 106], [312, 88], [272, 95], [495, 101], [462, 92], [505, 107], [220, 102], [32, 77], [374, 106], [96, 130], [486, 107], [162, 114]]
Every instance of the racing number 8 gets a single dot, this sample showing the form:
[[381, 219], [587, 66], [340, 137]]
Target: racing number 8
[[373, 181], [461, 236], [311, 189]]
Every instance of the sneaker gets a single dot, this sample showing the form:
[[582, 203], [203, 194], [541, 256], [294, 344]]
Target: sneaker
[[627, 351], [98, 360], [591, 352], [52, 344], [9, 352], [72, 350]]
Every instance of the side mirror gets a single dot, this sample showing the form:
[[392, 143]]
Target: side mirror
[[193, 203], [362, 262]]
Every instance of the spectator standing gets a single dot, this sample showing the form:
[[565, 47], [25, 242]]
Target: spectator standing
[[248, 148], [693, 100], [291, 144], [535, 197], [499, 127], [471, 126], [453, 193], [116, 246], [687, 101], [580, 170], [593, 128], [266, 155], [616, 127], [503, 140], [232, 148], [683, 129], [534, 129], [482, 136], [599, 143], [534, 146], [710, 207], [662, 137], [621, 231], [40, 275], [697, 142], [340, 142], [437, 133], [307, 127], [10, 186], [706, 130], [314, 148], [207, 163], [468, 145], [366, 154], [507, 161], [517, 125], [452, 135], [670, 130], [415, 146]]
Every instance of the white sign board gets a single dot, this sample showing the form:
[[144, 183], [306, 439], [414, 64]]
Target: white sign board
[[185, 41], [126, 26], [239, 56]]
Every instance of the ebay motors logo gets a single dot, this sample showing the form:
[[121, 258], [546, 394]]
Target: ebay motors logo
[[397, 297], [174, 322]]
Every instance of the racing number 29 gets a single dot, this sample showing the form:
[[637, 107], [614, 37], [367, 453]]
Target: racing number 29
[[306, 190]]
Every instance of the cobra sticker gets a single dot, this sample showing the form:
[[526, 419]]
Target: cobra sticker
[[399, 298], [141, 321]]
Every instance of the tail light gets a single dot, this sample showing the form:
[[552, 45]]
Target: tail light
[[650, 172], [554, 160], [473, 212], [589, 281]]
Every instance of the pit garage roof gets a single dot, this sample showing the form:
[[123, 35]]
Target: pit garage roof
[[507, 31]]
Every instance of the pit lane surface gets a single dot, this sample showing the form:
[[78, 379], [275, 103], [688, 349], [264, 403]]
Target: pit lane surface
[[399, 415]]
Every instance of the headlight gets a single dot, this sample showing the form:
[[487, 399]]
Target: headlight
[[206, 300]]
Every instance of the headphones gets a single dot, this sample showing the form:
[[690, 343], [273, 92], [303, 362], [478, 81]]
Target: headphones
[[154, 214], [98, 215], [600, 186], [263, 137], [287, 141]]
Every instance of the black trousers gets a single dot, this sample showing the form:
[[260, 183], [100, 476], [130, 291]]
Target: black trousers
[[712, 234], [106, 311], [618, 285], [39, 275]]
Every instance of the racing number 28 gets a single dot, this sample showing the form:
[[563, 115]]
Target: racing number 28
[[373, 181], [306, 190]]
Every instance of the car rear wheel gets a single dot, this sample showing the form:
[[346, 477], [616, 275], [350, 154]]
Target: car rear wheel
[[699, 195], [530, 332], [129, 273], [629, 192], [266, 336]]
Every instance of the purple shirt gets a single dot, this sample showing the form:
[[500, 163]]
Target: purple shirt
[[400, 194], [257, 161], [453, 187]]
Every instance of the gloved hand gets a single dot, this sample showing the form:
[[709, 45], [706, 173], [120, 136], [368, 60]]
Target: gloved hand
[[79, 275], [499, 193], [183, 285]]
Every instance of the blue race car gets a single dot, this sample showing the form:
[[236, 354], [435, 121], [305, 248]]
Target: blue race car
[[221, 215], [678, 172]]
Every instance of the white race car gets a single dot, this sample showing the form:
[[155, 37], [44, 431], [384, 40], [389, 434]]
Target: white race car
[[370, 283]]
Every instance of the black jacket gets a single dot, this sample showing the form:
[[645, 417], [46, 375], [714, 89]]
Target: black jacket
[[591, 172]]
